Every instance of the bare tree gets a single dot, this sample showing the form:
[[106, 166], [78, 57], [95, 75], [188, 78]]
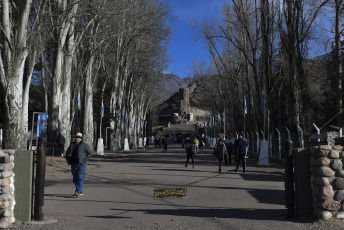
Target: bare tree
[[14, 52]]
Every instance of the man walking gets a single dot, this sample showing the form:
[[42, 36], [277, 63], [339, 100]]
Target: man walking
[[60, 142], [241, 148], [77, 156], [165, 143], [190, 152]]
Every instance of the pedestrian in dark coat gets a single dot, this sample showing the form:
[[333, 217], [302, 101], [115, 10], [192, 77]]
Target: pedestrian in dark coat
[[77, 156], [165, 144], [221, 152], [190, 153], [241, 149], [60, 142]]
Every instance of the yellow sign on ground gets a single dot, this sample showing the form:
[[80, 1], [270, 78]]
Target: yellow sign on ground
[[168, 193]]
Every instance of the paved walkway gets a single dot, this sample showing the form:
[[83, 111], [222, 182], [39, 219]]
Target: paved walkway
[[119, 194]]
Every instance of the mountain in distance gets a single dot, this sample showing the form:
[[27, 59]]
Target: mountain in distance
[[171, 84]]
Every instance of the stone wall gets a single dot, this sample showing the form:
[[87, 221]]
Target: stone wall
[[7, 188], [328, 181]]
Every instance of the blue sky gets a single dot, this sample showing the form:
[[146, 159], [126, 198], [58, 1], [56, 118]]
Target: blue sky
[[183, 49]]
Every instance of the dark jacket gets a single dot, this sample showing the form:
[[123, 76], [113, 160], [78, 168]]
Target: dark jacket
[[60, 140], [191, 150], [78, 152], [241, 146], [221, 150]]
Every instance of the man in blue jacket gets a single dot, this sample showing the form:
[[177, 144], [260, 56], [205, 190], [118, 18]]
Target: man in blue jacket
[[77, 156], [241, 149]]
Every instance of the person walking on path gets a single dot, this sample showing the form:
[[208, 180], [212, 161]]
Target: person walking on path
[[77, 155], [230, 150], [221, 152], [201, 145], [241, 148], [190, 152], [147, 143], [60, 142], [165, 144]]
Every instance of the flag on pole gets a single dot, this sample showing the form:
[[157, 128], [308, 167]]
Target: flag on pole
[[245, 107], [102, 108], [126, 117], [263, 99]]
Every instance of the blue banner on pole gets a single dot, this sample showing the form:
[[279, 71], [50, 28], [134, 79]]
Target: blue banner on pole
[[102, 109], [42, 125], [79, 100], [245, 107]]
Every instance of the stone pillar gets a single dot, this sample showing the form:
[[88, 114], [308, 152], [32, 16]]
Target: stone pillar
[[23, 185], [7, 188]]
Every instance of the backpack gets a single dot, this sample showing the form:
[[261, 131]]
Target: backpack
[[193, 149]]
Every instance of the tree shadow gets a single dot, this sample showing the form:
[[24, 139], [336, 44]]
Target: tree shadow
[[251, 214]]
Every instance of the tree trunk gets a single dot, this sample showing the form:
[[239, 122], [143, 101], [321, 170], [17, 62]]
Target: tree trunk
[[88, 106], [12, 63], [338, 63]]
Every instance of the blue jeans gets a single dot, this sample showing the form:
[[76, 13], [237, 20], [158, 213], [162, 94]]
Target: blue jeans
[[79, 172]]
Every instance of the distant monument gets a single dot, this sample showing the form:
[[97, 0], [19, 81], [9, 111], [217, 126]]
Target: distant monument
[[184, 102]]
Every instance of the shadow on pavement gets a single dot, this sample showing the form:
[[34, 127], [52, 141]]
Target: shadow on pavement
[[252, 214]]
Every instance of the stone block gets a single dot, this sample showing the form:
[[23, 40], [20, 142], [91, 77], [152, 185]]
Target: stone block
[[5, 204], [325, 215], [325, 147], [5, 182], [330, 205], [325, 172], [336, 164], [338, 183], [7, 190], [326, 193], [4, 223], [340, 173], [334, 154], [323, 161], [4, 197], [339, 195], [340, 215], [321, 181], [6, 174], [9, 151], [10, 166], [338, 147], [6, 212]]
